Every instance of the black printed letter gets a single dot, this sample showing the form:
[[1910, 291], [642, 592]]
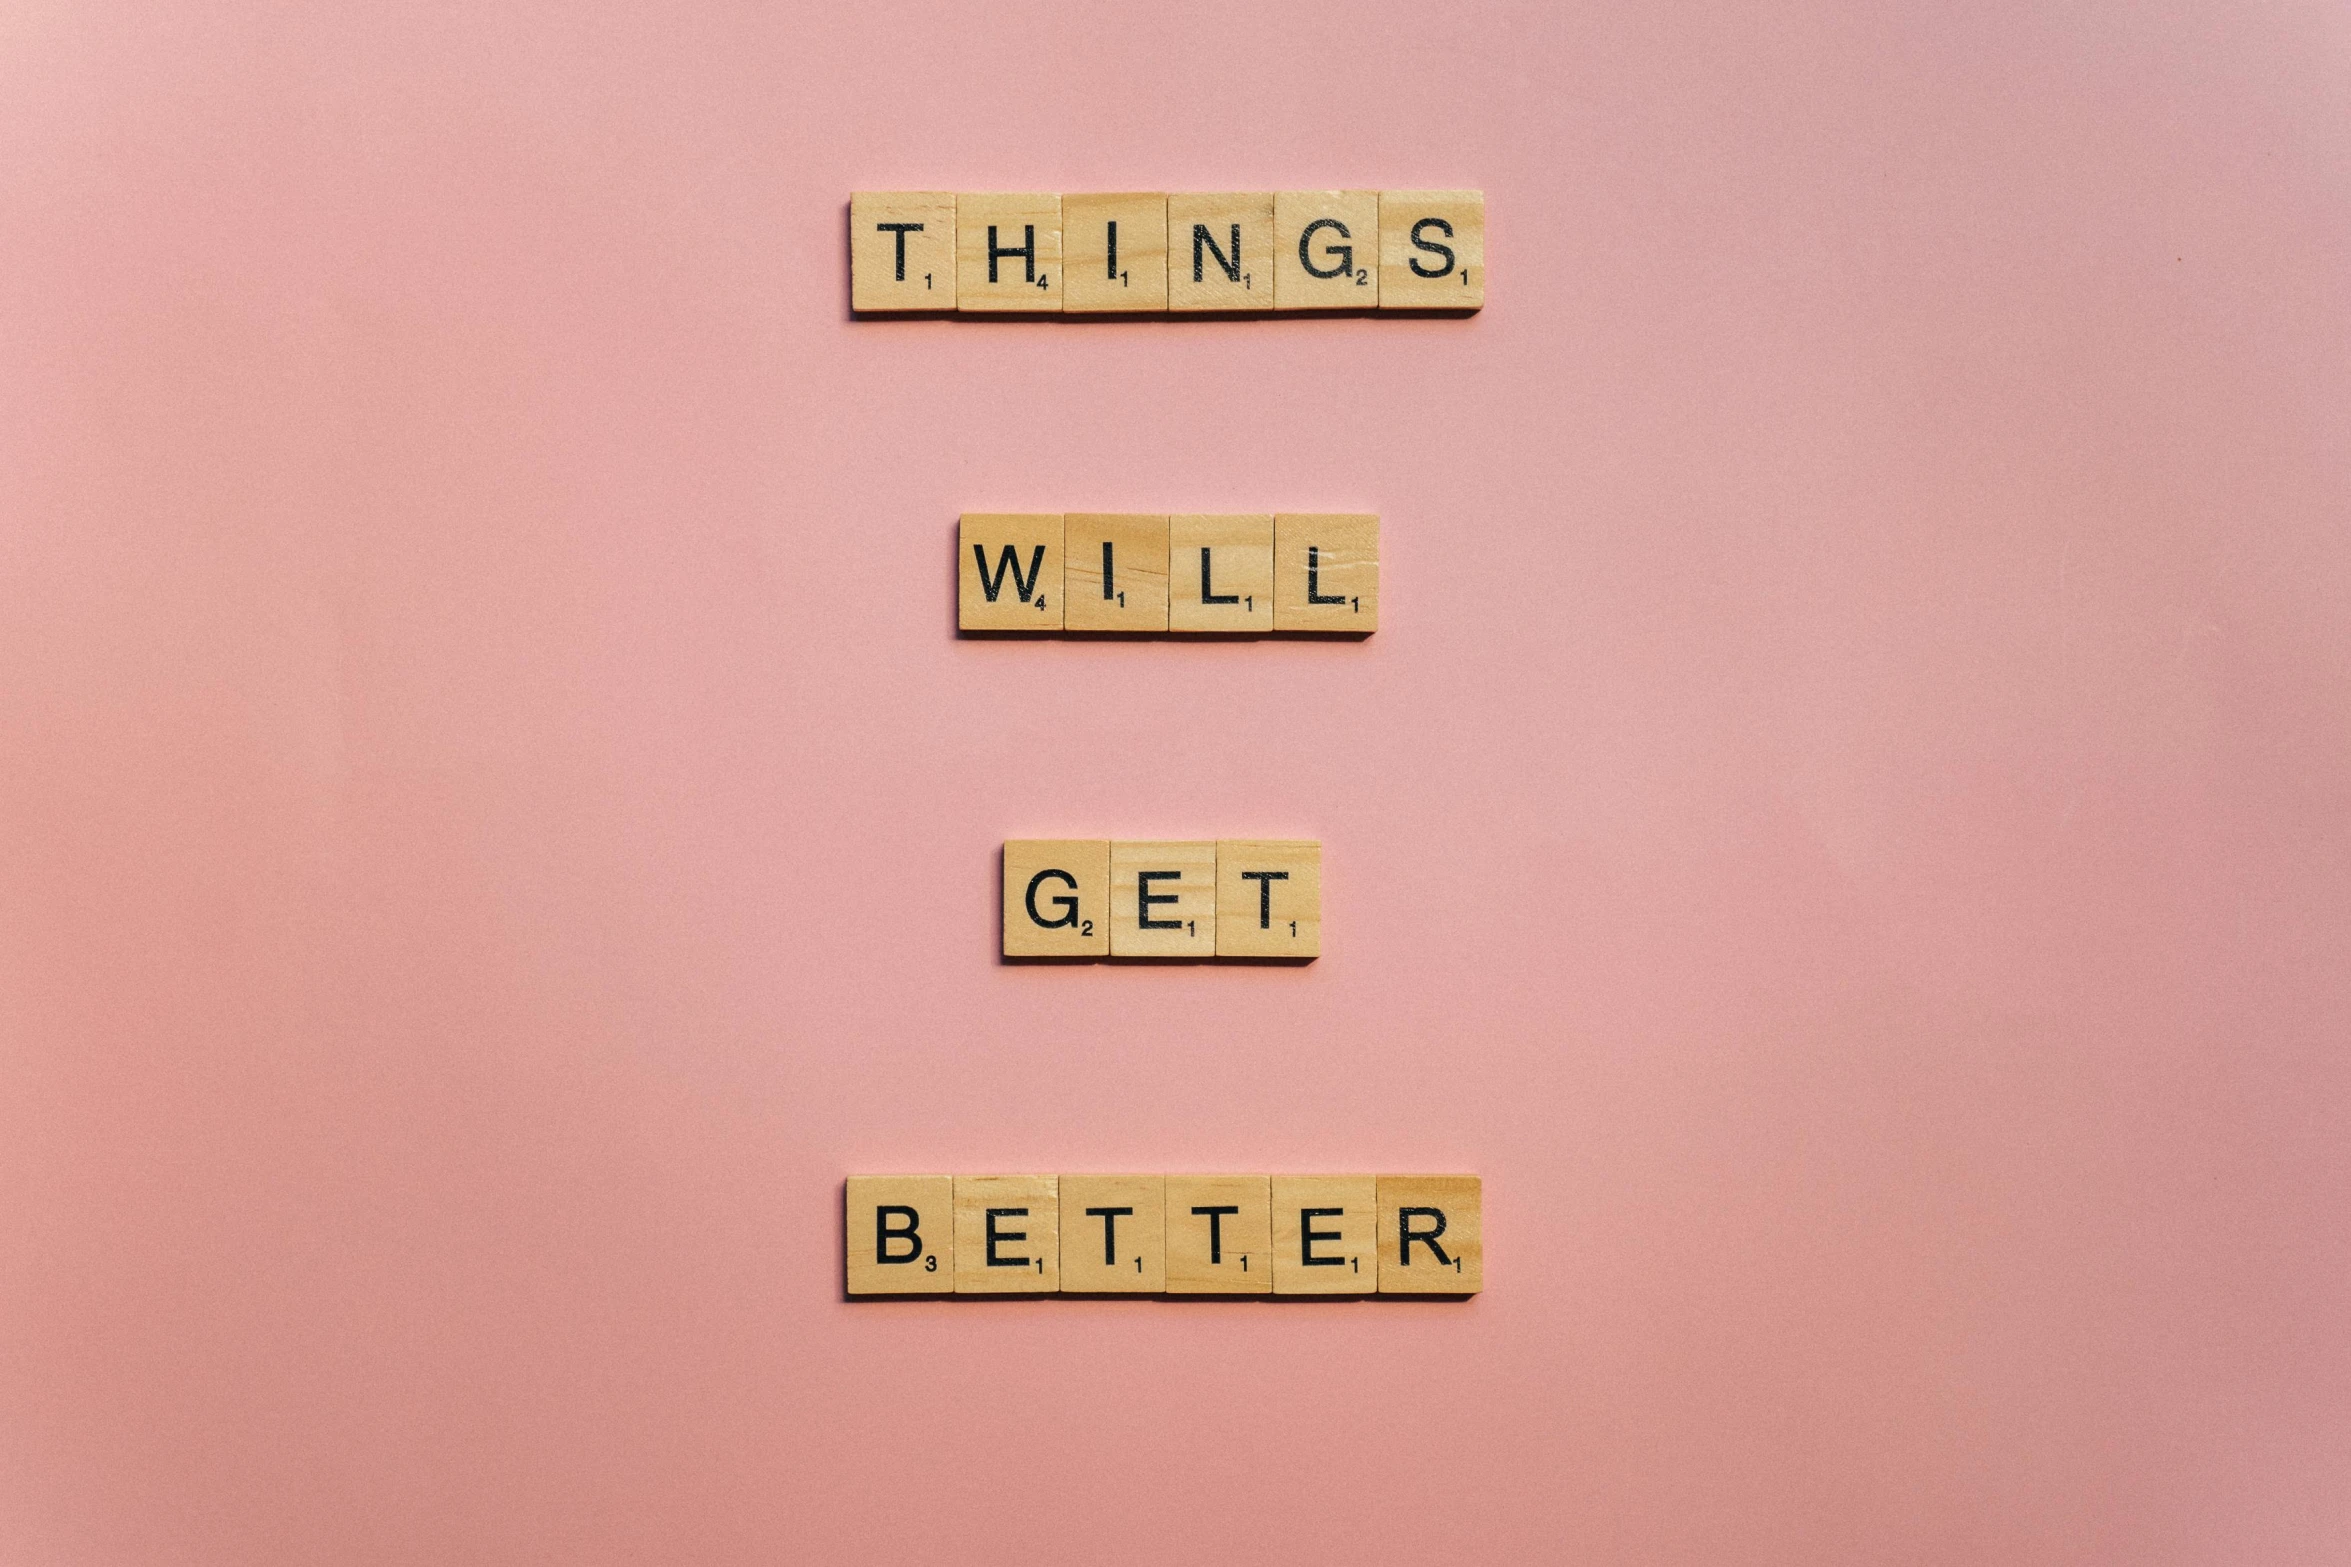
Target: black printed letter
[[1406, 1235], [885, 1232]]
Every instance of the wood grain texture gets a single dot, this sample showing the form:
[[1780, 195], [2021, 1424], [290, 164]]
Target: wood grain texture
[[900, 1234], [1113, 1234], [1008, 571], [909, 265], [1219, 1235], [987, 278], [1268, 898], [1432, 249], [1056, 898], [1007, 1234], [1114, 253]]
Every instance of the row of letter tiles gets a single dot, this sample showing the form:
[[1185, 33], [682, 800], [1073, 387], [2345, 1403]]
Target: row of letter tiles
[[1148, 252], [1098, 898], [1188, 573], [1164, 1235]]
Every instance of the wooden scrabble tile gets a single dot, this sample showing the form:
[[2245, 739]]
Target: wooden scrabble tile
[[1008, 572], [1114, 252], [1219, 1235], [1162, 900], [1220, 573], [1116, 576], [902, 250], [1326, 572], [1268, 898], [1113, 1234], [1007, 1234], [1432, 249], [900, 1231], [1430, 1235], [1057, 898], [1008, 252], [1326, 249], [1220, 252], [1326, 1234]]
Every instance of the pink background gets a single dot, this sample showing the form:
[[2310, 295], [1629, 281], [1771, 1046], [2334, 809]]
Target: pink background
[[1845, 825]]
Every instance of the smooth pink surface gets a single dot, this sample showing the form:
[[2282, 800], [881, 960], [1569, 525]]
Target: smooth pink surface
[[1845, 826]]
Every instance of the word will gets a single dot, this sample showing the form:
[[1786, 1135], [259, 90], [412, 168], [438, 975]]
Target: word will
[[1244, 575]]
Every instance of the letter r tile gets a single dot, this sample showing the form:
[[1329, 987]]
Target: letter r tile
[[902, 250]]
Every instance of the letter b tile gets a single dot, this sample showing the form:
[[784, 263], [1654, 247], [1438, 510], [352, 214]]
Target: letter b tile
[[901, 1234], [1008, 252]]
